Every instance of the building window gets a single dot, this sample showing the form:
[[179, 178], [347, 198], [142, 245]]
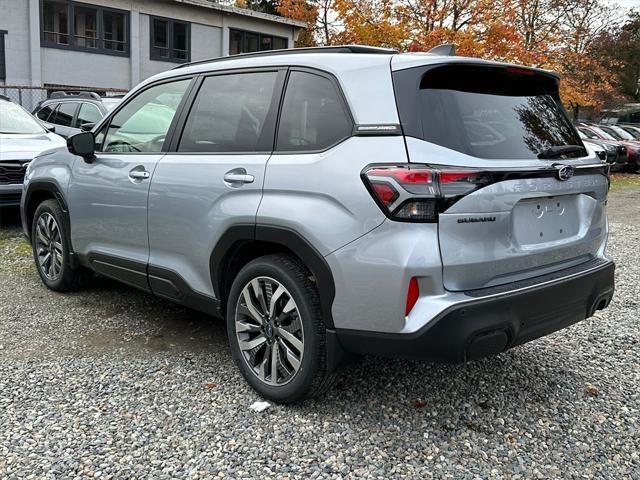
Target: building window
[[79, 26], [170, 40], [241, 41]]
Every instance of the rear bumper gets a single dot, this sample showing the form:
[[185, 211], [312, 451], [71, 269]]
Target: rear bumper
[[490, 322]]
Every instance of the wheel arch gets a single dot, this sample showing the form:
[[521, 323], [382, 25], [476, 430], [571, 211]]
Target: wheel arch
[[242, 243], [37, 192]]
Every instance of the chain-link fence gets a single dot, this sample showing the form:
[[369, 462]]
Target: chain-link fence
[[29, 97]]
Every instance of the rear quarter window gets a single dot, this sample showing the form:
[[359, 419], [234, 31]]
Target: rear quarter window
[[314, 116], [485, 112]]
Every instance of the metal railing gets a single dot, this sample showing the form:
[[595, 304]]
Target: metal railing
[[29, 97]]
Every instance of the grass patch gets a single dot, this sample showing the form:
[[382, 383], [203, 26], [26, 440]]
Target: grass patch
[[620, 181]]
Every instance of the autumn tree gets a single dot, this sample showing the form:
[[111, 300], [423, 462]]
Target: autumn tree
[[319, 17]]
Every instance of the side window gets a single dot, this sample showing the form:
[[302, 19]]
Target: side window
[[313, 114], [64, 114], [44, 112], [229, 114], [142, 124], [88, 113]]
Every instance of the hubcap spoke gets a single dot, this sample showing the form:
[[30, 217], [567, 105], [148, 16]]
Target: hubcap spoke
[[273, 353], [251, 344], [291, 339]]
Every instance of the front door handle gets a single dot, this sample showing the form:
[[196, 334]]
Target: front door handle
[[238, 176], [139, 174]]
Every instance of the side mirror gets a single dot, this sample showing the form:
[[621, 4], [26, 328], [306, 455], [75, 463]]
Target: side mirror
[[49, 127], [82, 144], [87, 127]]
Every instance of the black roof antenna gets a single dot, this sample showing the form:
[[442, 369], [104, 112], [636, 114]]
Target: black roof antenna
[[446, 49]]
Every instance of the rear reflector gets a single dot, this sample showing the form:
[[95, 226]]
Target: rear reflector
[[412, 295]]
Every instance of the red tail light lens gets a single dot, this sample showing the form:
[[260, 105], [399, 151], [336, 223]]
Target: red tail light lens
[[416, 193], [413, 292]]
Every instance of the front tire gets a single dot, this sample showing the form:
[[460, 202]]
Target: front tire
[[275, 329], [51, 249]]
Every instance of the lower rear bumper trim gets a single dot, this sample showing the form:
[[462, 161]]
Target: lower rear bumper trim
[[486, 326]]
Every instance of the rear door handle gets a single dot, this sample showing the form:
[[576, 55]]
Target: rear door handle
[[238, 176]]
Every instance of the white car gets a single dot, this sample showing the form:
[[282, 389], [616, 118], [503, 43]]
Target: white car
[[22, 137]]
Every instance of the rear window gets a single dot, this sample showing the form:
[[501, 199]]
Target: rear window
[[485, 112]]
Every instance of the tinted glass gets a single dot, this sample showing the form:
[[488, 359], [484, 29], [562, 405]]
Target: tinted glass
[[613, 133], [494, 113], [279, 43], [160, 37], [313, 114], [15, 119], [64, 114], [587, 133], [44, 112], [55, 22], [142, 124], [88, 113], [229, 114], [85, 22], [114, 27], [180, 41]]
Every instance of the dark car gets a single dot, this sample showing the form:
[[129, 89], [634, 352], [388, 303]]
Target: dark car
[[616, 154], [605, 133], [70, 111]]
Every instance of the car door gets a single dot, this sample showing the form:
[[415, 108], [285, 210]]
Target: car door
[[108, 196], [212, 176]]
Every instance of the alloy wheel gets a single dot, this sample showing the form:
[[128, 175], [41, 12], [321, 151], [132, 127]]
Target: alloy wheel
[[49, 246], [269, 331]]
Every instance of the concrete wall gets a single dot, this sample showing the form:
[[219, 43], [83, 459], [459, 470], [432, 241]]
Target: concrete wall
[[29, 64], [14, 18], [206, 42]]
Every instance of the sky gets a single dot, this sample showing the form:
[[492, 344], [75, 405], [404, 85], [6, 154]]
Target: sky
[[626, 4]]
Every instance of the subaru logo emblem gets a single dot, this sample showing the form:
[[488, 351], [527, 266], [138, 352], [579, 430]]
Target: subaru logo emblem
[[565, 172]]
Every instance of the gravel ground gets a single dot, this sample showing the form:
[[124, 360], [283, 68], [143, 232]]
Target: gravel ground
[[113, 383]]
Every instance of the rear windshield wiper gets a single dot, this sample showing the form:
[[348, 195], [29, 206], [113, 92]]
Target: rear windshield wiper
[[554, 152]]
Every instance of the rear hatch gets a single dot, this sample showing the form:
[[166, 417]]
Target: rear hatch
[[520, 197]]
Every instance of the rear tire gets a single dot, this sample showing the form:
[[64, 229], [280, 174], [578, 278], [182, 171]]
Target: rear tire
[[274, 319], [51, 249]]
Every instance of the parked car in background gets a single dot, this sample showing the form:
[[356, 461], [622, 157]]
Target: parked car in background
[[618, 133], [337, 199], [22, 137], [603, 133], [632, 129], [615, 153], [70, 111]]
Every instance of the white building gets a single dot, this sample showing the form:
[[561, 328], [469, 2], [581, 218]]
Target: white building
[[118, 43]]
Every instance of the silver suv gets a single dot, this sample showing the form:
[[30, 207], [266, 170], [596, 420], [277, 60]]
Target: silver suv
[[333, 201]]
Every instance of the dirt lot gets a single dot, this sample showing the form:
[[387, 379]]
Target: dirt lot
[[112, 383]]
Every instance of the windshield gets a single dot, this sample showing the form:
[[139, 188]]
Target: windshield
[[492, 112], [15, 119], [604, 134], [622, 132], [611, 132]]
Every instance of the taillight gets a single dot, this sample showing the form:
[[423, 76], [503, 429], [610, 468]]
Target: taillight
[[417, 193]]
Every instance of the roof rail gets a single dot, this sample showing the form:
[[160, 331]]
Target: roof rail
[[4, 97], [293, 51], [446, 49], [83, 94]]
